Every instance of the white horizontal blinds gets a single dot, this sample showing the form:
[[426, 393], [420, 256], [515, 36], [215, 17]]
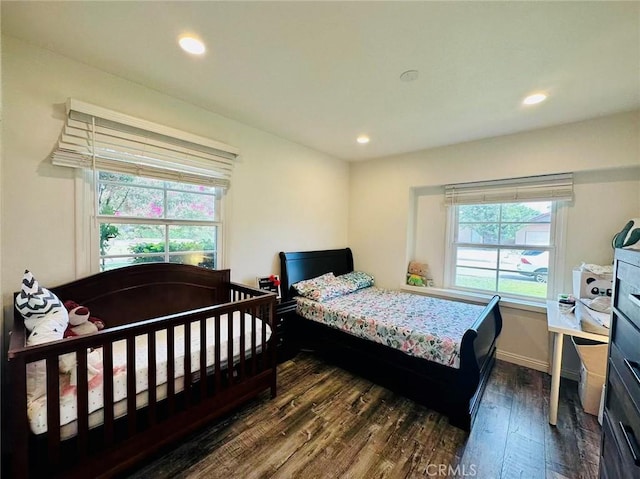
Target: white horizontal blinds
[[94, 137], [533, 188]]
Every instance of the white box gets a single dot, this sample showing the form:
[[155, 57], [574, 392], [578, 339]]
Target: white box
[[593, 367], [590, 390], [590, 285]]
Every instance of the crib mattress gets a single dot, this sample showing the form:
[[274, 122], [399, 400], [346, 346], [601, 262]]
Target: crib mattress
[[37, 409]]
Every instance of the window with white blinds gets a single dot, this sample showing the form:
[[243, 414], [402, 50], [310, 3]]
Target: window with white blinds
[[149, 193], [505, 236], [104, 140]]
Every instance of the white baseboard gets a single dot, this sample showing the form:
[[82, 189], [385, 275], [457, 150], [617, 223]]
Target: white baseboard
[[522, 361], [534, 364]]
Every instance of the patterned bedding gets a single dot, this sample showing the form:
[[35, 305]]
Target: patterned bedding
[[421, 326]]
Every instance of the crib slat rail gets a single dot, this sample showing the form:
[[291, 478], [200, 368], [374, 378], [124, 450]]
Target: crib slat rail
[[132, 411], [207, 386], [53, 412], [82, 405], [151, 361], [187, 364], [107, 385]]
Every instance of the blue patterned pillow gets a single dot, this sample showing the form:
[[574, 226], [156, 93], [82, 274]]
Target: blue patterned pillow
[[356, 280]]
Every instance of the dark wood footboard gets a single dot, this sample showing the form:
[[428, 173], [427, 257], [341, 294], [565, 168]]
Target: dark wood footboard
[[477, 357], [211, 391]]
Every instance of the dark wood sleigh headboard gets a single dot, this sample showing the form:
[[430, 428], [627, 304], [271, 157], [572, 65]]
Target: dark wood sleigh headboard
[[303, 265]]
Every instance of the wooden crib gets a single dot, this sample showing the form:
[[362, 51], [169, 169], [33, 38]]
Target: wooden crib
[[142, 303]]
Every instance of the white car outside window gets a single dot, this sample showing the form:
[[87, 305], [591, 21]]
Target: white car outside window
[[535, 264]]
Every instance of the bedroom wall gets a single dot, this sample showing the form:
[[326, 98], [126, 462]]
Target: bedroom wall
[[283, 196], [387, 193]]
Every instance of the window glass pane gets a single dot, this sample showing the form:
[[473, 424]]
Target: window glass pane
[[478, 224], [478, 213], [128, 200], [114, 263], [511, 283], [537, 212], [191, 206], [477, 258], [475, 278], [199, 241], [129, 179], [512, 256], [189, 187], [120, 262], [526, 234], [126, 239], [534, 264], [157, 202], [509, 259], [204, 260]]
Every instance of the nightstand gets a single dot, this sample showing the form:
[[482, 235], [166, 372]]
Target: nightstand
[[285, 310]]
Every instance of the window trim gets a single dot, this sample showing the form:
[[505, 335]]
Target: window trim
[[556, 255]]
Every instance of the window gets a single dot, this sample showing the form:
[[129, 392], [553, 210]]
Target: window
[[145, 192], [144, 220], [503, 248], [504, 237]]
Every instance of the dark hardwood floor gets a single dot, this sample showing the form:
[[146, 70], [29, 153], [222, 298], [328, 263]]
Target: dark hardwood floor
[[328, 423]]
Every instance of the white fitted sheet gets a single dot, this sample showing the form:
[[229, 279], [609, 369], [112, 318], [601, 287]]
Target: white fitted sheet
[[37, 409]]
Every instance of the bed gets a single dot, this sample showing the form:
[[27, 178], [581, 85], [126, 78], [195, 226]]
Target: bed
[[451, 383], [158, 317]]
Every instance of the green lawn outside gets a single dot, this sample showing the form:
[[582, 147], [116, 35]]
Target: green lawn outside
[[524, 287]]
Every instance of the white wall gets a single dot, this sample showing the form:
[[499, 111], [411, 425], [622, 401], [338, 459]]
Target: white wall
[[387, 194], [283, 196]]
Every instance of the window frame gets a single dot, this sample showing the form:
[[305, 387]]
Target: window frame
[[556, 250], [87, 231]]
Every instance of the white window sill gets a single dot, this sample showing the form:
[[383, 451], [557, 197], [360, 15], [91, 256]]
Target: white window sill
[[534, 306]]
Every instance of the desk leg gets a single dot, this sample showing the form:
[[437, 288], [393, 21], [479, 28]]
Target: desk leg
[[558, 340]]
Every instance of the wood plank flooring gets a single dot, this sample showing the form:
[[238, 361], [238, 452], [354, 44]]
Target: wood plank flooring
[[329, 423]]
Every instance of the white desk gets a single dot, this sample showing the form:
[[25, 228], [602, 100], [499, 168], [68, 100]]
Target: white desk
[[560, 324]]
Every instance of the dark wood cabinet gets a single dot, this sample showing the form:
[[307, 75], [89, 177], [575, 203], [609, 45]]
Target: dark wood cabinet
[[620, 447], [285, 311]]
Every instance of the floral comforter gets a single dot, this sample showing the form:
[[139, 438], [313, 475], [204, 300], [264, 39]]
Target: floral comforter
[[421, 326]]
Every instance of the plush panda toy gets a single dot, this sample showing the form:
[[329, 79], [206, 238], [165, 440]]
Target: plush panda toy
[[629, 237]]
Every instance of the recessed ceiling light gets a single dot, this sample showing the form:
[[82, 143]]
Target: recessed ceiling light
[[191, 44], [535, 98], [362, 139]]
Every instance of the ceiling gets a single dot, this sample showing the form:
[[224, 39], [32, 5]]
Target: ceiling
[[321, 73]]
